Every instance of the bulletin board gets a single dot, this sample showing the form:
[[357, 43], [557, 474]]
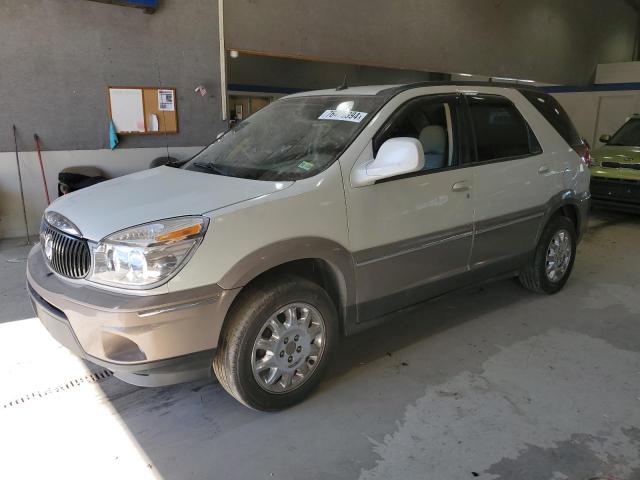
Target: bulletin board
[[143, 110]]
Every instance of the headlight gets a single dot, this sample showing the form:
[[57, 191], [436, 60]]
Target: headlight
[[146, 255]]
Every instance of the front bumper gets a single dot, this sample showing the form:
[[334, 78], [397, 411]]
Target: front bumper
[[145, 340], [616, 194]]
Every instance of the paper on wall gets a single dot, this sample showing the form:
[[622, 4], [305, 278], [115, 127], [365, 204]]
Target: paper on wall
[[166, 101], [153, 125], [127, 111]]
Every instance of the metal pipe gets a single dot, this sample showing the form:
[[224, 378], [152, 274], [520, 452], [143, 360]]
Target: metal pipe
[[36, 138], [24, 208], [223, 60]]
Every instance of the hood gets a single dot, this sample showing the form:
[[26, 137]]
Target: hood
[[155, 194], [613, 153]]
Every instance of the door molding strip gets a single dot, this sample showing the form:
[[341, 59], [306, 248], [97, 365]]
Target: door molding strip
[[480, 231], [368, 256]]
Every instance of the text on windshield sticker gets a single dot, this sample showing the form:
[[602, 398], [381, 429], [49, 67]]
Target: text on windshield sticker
[[344, 115]]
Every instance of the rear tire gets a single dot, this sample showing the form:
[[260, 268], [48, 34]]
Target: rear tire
[[277, 342], [551, 265]]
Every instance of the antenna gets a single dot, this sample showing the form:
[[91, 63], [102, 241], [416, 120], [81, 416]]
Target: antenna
[[344, 85]]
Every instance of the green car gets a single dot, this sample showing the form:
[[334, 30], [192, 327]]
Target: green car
[[615, 169]]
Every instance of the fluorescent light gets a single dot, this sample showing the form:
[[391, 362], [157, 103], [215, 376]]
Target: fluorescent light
[[465, 75]]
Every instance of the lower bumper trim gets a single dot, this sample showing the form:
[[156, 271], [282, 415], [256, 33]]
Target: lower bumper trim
[[615, 204], [615, 194], [185, 368]]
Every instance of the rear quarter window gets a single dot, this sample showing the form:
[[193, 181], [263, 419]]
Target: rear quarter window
[[555, 115]]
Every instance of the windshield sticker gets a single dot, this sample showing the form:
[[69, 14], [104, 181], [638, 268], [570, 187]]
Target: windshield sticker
[[344, 115], [306, 166]]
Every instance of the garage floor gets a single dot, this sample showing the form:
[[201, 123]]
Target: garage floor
[[493, 383]]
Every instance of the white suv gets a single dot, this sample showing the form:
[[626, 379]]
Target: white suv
[[314, 218]]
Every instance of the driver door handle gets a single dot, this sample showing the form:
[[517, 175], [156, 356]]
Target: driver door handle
[[543, 169], [462, 186]]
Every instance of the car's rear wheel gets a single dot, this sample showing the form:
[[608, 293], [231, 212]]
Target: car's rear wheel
[[551, 265], [276, 343]]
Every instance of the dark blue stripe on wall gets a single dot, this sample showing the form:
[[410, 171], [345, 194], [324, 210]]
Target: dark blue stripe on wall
[[143, 3], [238, 87], [597, 87]]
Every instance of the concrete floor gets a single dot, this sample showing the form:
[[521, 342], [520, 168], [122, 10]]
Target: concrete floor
[[491, 383]]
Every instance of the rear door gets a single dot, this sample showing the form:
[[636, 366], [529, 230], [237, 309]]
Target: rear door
[[513, 181]]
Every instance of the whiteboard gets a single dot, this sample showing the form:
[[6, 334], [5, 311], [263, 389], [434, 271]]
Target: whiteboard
[[127, 110]]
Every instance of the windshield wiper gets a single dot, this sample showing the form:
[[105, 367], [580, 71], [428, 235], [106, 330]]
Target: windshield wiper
[[211, 167]]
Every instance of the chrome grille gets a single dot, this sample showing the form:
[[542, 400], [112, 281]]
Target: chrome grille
[[65, 254]]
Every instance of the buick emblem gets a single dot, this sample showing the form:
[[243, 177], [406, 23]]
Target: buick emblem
[[48, 247]]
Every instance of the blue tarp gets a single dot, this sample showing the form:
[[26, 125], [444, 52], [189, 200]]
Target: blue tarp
[[113, 136], [146, 4]]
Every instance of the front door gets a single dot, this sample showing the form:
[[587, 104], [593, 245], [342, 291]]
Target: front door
[[411, 235]]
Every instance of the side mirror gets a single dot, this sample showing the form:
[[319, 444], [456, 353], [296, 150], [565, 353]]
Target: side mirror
[[396, 156], [605, 138]]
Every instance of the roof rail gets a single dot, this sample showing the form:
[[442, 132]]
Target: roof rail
[[464, 83]]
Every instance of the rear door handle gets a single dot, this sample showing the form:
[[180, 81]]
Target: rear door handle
[[543, 169], [462, 186]]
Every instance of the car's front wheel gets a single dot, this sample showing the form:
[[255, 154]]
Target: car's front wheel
[[277, 342], [551, 265]]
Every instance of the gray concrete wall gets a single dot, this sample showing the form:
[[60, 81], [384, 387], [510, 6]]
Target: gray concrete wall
[[58, 57], [545, 40], [306, 75]]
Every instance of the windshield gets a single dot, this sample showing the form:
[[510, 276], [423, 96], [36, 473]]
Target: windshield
[[290, 139], [628, 135]]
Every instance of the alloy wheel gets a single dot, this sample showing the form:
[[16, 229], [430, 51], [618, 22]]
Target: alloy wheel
[[559, 255], [288, 348]]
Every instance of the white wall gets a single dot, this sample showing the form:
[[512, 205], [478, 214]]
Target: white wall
[[113, 163], [625, 72], [595, 113]]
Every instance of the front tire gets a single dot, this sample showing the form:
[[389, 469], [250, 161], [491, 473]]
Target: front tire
[[551, 265], [277, 342]]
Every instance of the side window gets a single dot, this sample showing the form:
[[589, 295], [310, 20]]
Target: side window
[[500, 130], [555, 115], [431, 121]]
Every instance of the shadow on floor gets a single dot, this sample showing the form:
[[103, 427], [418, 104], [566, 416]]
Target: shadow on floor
[[602, 219], [199, 415]]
